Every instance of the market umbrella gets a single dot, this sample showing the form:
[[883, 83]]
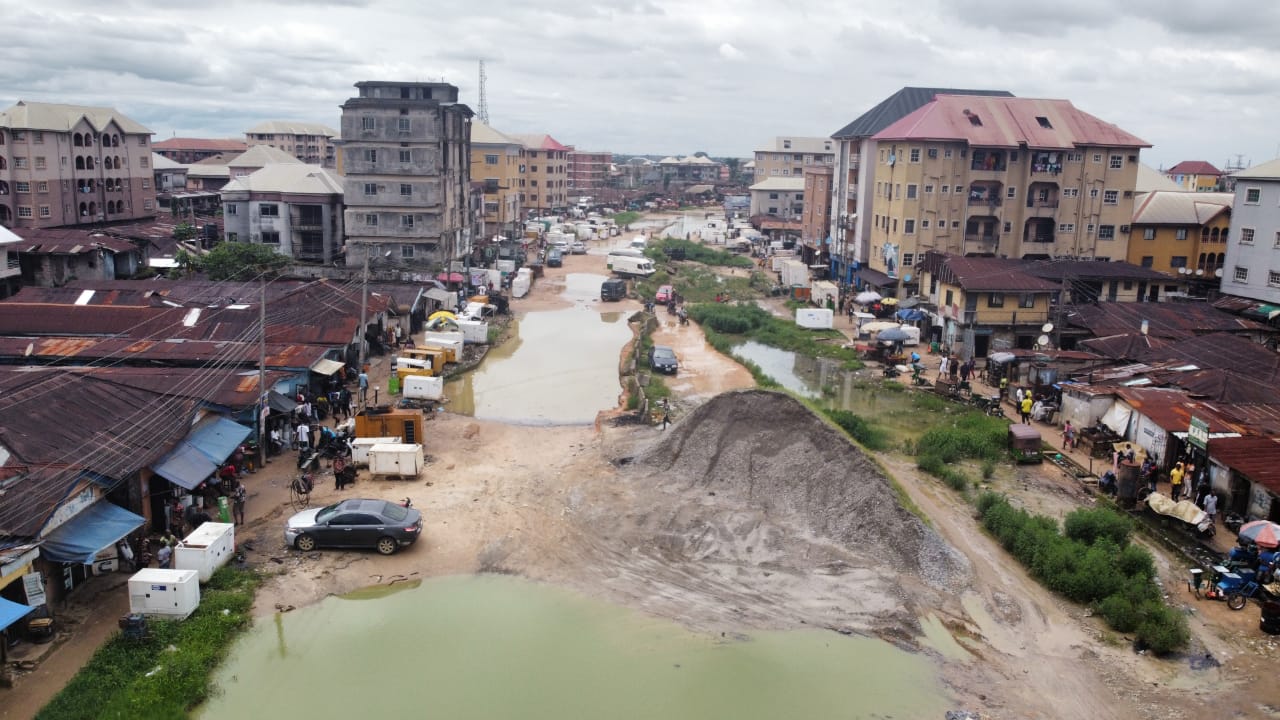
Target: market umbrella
[[443, 314], [1262, 533], [889, 301], [450, 277], [893, 335], [866, 297]]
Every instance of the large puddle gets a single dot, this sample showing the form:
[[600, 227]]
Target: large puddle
[[559, 367], [496, 647]]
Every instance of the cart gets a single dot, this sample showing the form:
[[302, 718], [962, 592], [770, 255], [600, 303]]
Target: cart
[[1025, 443]]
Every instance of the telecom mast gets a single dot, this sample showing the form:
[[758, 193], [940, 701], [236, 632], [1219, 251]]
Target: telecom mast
[[483, 110]]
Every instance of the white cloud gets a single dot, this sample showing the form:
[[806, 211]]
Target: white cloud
[[1198, 81]]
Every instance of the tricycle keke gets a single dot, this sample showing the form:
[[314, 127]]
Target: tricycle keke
[[1025, 443]]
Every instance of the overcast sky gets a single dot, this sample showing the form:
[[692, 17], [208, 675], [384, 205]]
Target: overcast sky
[[1198, 80]]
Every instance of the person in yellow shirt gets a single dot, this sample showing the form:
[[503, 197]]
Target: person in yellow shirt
[[1175, 481], [1025, 408]]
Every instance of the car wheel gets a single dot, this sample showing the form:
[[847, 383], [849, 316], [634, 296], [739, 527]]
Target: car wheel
[[305, 543], [387, 545]]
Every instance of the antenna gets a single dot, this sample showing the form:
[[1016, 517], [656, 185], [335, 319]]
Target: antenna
[[483, 110]]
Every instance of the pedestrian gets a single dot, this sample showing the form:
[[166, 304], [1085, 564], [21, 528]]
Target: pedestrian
[[126, 554], [144, 553], [1211, 506], [666, 419], [953, 367], [238, 497], [164, 556], [1004, 387], [1175, 481], [1068, 436], [1025, 408], [304, 436], [942, 367], [965, 368], [363, 383]]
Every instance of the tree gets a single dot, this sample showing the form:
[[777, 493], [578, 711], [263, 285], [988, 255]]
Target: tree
[[184, 232], [241, 261]]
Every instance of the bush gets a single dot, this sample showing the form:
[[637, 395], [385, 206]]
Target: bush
[[1091, 525], [971, 435], [988, 468], [699, 253], [936, 466], [1162, 629], [873, 438]]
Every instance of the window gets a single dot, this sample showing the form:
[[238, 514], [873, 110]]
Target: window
[[1110, 197], [403, 124], [371, 219], [773, 211], [1149, 234], [1277, 243], [1106, 232], [146, 184], [924, 225], [1089, 228], [915, 155], [19, 136], [490, 159], [1252, 196], [406, 157], [142, 140], [1178, 261], [1070, 192], [1066, 227], [995, 300], [946, 189], [946, 154], [147, 205], [270, 237], [406, 190], [142, 162], [959, 189], [1246, 235], [406, 221], [231, 209], [44, 211], [43, 186], [1147, 261], [20, 162], [24, 211], [797, 158], [1044, 122], [269, 210], [40, 162], [773, 196], [1093, 192], [370, 188], [1097, 158], [908, 259], [1241, 274], [955, 224], [406, 251], [1180, 233], [370, 155], [912, 191], [1008, 226], [928, 189], [368, 122], [534, 168], [949, 298], [22, 186], [1011, 192], [909, 226], [1117, 162]]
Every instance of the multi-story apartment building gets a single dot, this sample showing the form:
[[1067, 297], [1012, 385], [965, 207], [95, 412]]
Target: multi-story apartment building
[[985, 303], [817, 209], [1181, 233], [1196, 176], [496, 161], [688, 169], [588, 171], [779, 197], [1013, 177], [406, 154], [1252, 265], [312, 143], [71, 164], [192, 150], [544, 187], [789, 156], [852, 180], [294, 208]]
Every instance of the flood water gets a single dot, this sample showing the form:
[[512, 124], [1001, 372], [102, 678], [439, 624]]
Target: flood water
[[560, 367], [494, 647]]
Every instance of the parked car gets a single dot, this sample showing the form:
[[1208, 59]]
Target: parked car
[[355, 523], [663, 296], [663, 359], [577, 247], [555, 258], [613, 289]]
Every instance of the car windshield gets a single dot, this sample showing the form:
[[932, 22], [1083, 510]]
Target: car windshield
[[327, 512], [663, 353], [394, 512]]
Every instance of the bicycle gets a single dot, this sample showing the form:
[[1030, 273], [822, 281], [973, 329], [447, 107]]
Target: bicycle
[[300, 491]]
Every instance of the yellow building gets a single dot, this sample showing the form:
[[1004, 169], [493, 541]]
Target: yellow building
[[1195, 176], [1181, 233], [1001, 176], [544, 185], [986, 303], [496, 160]]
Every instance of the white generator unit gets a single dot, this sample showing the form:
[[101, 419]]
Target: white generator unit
[[418, 387], [164, 593], [360, 447], [396, 459], [521, 283], [814, 318], [206, 549], [452, 348], [475, 331]]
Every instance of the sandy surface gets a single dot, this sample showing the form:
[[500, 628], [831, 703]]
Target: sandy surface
[[750, 513]]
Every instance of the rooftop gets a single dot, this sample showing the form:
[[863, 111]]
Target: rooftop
[[784, 184], [288, 178], [783, 144], [1150, 179], [1180, 321], [482, 134], [986, 274], [291, 127], [1257, 458], [63, 118], [1180, 208], [1193, 167], [1269, 170], [261, 156], [201, 144], [900, 104], [539, 142], [1008, 122]]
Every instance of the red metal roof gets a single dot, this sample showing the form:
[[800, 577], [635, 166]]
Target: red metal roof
[[988, 121], [63, 241], [1170, 321], [1172, 409], [987, 274], [1193, 167], [1257, 458]]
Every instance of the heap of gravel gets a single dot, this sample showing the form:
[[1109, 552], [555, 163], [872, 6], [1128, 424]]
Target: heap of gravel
[[772, 450]]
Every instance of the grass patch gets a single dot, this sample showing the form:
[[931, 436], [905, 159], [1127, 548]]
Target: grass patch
[[115, 682], [1093, 563], [625, 218], [859, 428], [750, 321], [697, 252]]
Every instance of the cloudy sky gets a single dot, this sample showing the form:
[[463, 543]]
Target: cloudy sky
[[1197, 80]]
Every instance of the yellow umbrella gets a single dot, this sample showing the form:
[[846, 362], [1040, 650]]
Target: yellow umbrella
[[889, 301], [442, 314]]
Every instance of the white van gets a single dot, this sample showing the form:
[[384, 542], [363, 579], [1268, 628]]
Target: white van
[[638, 243], [626, 266], [627, 252]]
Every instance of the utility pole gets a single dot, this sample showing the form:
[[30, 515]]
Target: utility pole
[[263, 392], [364, 308]]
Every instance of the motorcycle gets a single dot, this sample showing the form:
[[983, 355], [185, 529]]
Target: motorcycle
[[891, 371]]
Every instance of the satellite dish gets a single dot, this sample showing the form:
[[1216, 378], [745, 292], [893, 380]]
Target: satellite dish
[[1048, 328], [1217, 273], [1043, 339], [906, 278]]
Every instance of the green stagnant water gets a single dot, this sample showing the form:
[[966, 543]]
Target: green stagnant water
[[494, 647]]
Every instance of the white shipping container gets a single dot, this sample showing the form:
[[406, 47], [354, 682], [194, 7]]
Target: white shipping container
[[814, 318], [823, 290], [417, 387], [402, 459], [474, 331], [795, 274], [506, 266], [451, 336], [166, 593], [452, 348], [360, 447], [206, 549], [521, 283]]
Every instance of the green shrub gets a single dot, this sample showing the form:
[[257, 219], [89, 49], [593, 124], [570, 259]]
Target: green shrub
[[1162, 629], [1090, 525], [971, 435], [988, 468], [936, 466], [860, 429], [699, 253]]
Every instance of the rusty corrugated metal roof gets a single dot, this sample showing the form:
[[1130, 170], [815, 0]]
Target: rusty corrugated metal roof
[[1257, 458], [1172, 409], [1174, 321]]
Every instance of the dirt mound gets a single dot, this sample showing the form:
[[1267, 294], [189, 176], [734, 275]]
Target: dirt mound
[[774, 454]]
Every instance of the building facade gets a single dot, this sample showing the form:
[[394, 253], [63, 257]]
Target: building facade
[[312, 143], [817, 209], [790, 156], [496, 160], [1196, 176], [1011, 177], [1251, 268], [1182, 233], [294, 208], [985, 304], [588, 171], [544, 183], [72, 164], [406, 154], [193, 150], [778, 197]]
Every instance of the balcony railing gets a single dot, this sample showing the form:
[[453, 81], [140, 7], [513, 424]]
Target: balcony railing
[[993, 201], [980, 237], [1042, 203]]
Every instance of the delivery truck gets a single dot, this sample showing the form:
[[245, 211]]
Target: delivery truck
[[625, 266]]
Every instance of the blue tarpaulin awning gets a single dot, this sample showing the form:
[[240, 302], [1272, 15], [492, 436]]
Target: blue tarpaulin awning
[[194, 459], [95, 529], [11, 612]]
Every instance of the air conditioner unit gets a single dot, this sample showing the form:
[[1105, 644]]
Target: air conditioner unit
[[1124, 228]]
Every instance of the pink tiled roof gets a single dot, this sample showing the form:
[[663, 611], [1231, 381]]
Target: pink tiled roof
[[180, 143], [540, 142], [1008, 122], [1193, 167]]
